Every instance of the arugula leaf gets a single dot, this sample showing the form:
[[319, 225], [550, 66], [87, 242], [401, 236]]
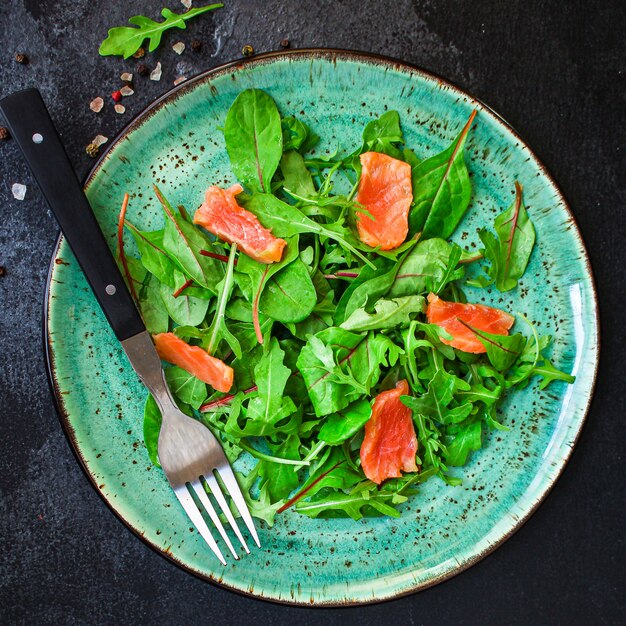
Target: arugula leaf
[[467, 438], [261, 506], [441, 190], [339, 366], [126, 40], [285, 220], [151, 428], [509, 255], [340, 427], [186, 387], [254, 139], [549, 373], [271, 376], [383, 134], [355, 505], [387, 314], [280, 479]]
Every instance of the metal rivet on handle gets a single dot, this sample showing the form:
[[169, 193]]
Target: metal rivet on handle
[[110, 289], [37, 138]]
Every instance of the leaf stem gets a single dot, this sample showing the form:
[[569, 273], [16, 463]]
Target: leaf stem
[[304, 491], [120, 245], [206, 408], [182, 288]]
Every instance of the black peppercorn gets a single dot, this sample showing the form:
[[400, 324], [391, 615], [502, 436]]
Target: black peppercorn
[[21, 58], [4, 133], [284, 43], [247, 50], [143, 70], [196, 45], [140, 52], [2, 270]]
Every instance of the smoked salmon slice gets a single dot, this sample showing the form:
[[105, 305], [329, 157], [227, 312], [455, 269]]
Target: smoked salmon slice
[[447, 315], [386, 194], [194, 360], [390, 444], [221, 215]]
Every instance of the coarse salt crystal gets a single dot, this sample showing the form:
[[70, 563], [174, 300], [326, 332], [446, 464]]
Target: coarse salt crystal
[[179, 47], [126, 77], [98, 140], [120, 108], [186, 3], [96, 104], [155, 74], [126, 91], [180, 79], [19, 191]]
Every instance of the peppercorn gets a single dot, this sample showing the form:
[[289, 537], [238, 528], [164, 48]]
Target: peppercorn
[[143, 70], [140, 52], [116, 95], [247, 50], [4, 133], [92, 150], [21, 58], [2, 270], [284, 43], [196, 45]]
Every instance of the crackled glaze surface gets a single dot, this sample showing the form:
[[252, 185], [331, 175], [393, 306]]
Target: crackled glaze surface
[[178, 144]]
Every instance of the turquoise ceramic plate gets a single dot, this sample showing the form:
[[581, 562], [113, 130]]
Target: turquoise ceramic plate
[[177, 143]]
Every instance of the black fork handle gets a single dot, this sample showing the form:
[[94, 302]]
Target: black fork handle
[[33, 130]]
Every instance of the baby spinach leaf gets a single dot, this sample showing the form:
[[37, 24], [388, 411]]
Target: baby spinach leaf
[[186, 387], [467, 438], [509, 255], [387, 314], [297, 177], [126, 40], [152, 309], [441, 190], [289, 295], [502, 350], [254, 138], [297, 135], [184, 310], [151, 428], [340, 427]]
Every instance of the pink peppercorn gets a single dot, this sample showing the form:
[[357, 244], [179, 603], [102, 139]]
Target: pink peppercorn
[[116, 95]]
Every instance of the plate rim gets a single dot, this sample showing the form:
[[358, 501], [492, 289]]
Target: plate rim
[[333, 54]]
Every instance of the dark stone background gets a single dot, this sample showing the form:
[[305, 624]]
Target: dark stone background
[[554, 70]]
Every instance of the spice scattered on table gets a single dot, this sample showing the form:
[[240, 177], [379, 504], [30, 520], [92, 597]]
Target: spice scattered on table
[[96, 104], [179, 80], [126, 91], [3, 270], [98, 140], [126, 77], [155, 74], [116, 95], [120, 108], [21, 58], [92, 150], [285, 43], [19, 191], [4, 133], [139, 54], [143, 70], [247, 50], [186, 3], [178, 47], [196, 45]]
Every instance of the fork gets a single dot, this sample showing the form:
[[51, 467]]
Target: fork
[[190, 455]]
